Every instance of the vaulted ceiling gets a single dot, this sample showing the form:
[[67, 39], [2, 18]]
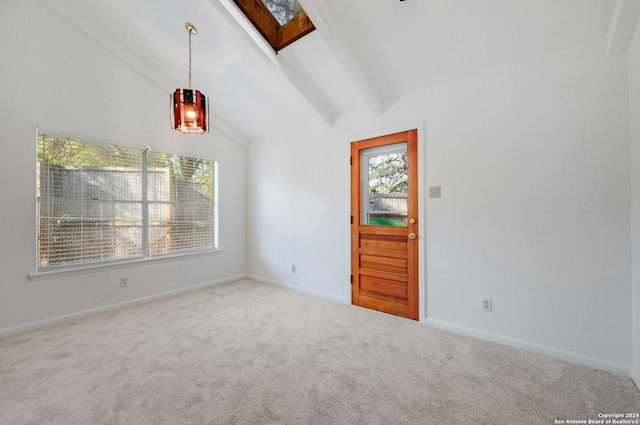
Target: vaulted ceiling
[[364, 53]]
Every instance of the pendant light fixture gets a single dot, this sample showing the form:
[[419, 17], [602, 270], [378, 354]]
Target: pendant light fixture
[[190, 108]]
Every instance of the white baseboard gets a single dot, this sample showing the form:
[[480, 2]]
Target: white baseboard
[[635, 375], [300, 289], [593, 362], [60, 319]]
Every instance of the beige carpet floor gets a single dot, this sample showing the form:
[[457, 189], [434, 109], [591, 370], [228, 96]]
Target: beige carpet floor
[[250, 353]]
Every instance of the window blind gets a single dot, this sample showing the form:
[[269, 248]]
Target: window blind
[[99, 202], [181, 203]]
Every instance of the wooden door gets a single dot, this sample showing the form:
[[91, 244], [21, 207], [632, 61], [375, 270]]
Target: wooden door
[[384, 224]]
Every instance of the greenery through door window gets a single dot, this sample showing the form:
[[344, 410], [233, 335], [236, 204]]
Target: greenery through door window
[[384, 178]]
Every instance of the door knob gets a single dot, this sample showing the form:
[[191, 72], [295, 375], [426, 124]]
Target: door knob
[[412, 221], [412, 236]]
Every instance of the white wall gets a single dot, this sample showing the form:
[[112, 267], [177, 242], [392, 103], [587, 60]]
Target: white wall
[[534, 168], [54, 77], [634, 137]]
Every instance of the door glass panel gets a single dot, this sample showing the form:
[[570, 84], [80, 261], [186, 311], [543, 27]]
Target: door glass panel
[[383, 185]]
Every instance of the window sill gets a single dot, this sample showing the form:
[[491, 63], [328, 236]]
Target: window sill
[[56, 274]]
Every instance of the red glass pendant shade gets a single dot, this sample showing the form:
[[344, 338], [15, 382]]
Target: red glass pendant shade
[[190, 112], [189, 108]]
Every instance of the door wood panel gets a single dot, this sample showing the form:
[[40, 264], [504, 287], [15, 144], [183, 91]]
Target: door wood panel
[[383, 286]]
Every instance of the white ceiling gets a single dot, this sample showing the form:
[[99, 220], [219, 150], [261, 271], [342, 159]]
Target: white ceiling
[[364, 52]]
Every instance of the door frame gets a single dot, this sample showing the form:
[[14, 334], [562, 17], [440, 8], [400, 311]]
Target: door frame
[[422, 209]]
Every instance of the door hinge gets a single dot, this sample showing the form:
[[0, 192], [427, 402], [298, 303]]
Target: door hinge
[[351, 219], [351, 278], [350, 160]]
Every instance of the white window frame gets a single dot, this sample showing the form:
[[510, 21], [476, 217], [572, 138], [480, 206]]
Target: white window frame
[[45, 272]]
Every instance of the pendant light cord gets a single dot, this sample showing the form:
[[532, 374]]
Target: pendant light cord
[[190, 31]]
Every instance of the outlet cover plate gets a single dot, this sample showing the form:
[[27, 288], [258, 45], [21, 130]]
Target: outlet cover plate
[[487, 304]]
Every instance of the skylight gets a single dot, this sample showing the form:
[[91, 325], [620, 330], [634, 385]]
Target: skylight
[[280, 22]]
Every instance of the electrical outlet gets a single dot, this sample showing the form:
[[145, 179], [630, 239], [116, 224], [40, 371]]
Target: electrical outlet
[[487, 304], [435, 192], [293, 268], [124, 282]]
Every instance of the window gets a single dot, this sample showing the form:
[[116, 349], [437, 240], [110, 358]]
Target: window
[[384, 196], [98, 202], [281, 22]]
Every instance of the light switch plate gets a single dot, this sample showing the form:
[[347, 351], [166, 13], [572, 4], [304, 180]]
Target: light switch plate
[[434, 192]]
